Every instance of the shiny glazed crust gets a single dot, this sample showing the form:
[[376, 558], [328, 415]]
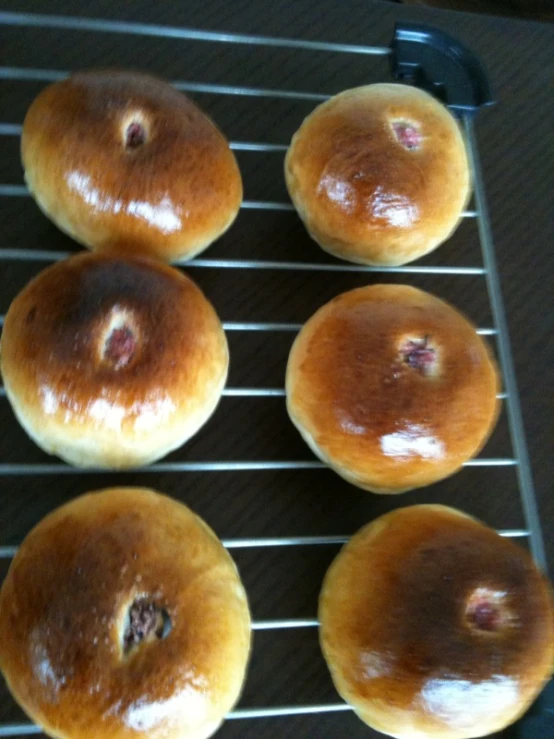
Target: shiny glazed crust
[[380, 423], [395, 634], [63, 605], [365, 197], [170, 197], [75, 403]]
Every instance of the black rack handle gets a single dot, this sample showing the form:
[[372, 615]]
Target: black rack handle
[[437, 62]]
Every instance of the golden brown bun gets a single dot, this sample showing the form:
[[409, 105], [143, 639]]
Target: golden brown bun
[[364, 195], [112, 363], [64, 618], [433, 625], [168, 196], [391, 387]]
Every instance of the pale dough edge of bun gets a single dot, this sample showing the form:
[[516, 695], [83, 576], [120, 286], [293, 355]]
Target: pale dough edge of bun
[[328, 461], [204, 732], [87, 449], [50, 207]]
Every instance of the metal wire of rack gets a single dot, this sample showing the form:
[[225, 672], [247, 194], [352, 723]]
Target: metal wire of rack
[[488, 271]]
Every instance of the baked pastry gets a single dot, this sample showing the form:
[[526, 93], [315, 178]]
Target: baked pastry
[[122, 161], [112, 363], [391, 387], [379, 174], [434, 625], [122, 616]]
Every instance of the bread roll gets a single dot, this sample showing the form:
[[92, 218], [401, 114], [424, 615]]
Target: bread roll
[[122, 161], [391, 387], [122, 616], [379, 174], [112, 363], [435, 626]]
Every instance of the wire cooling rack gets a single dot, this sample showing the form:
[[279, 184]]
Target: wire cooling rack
[[321, 265]]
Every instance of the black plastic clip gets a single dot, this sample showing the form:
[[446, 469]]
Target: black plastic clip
[[431, 59]]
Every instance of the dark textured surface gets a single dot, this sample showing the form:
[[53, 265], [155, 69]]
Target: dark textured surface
[[515, 139]]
